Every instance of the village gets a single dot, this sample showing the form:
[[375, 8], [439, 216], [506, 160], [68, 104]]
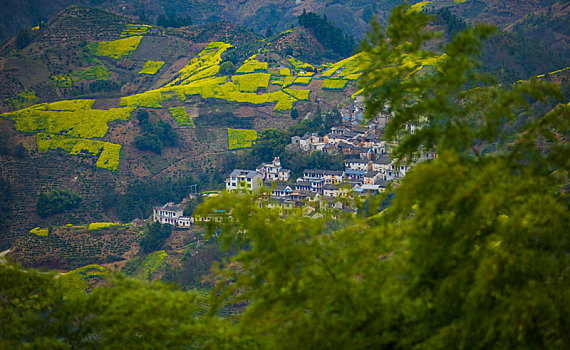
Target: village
[[368, 170]]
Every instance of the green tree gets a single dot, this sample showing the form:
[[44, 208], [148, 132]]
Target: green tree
[[294, 113], [56, 201], [39, 311], [227, 68], [471, 253]]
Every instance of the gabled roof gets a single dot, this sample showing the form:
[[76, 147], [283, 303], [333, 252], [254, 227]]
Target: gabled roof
[[250, 174], [169, 207], [282, 187], [356, 161], [355, 172], [384, 160]]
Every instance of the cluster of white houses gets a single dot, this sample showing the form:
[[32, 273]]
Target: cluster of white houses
[[359, 175], [349, 140]]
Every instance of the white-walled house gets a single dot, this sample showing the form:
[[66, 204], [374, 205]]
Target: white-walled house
[[273, 171], [172, 214], [244, 180]]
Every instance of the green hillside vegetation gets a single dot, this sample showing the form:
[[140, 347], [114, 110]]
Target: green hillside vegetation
[[62, 80], [23, 99], [78, 281], [97, 72], [56, 201]]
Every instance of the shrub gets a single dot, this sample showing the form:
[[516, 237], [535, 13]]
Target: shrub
[[155, 237], [56, 201]]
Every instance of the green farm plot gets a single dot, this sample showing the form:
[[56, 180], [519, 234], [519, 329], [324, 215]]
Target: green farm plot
[[181, 116], [116, 49], [251, 82], [334, 84], [76, 281], [23, 99], [107, 153], [70, 117], [135, 30], [151, 67], [152, 262], [241, 138], [206, 64], [91, 73]]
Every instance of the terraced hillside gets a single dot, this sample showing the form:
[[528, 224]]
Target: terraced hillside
[[75, 111]]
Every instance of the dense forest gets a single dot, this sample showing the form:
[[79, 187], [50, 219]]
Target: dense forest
[[331, 37]]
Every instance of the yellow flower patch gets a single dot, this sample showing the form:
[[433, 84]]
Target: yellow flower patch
[[41, 232], [250, 66], [116, 49], [151, 67], [205, 64], [135, 30], [241, 138], [70, 117], [100, 225], [334, 84], [251, 82], [182, 118], [107, 153]]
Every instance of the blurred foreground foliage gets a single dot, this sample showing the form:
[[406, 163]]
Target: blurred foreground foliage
[[472, 252]]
